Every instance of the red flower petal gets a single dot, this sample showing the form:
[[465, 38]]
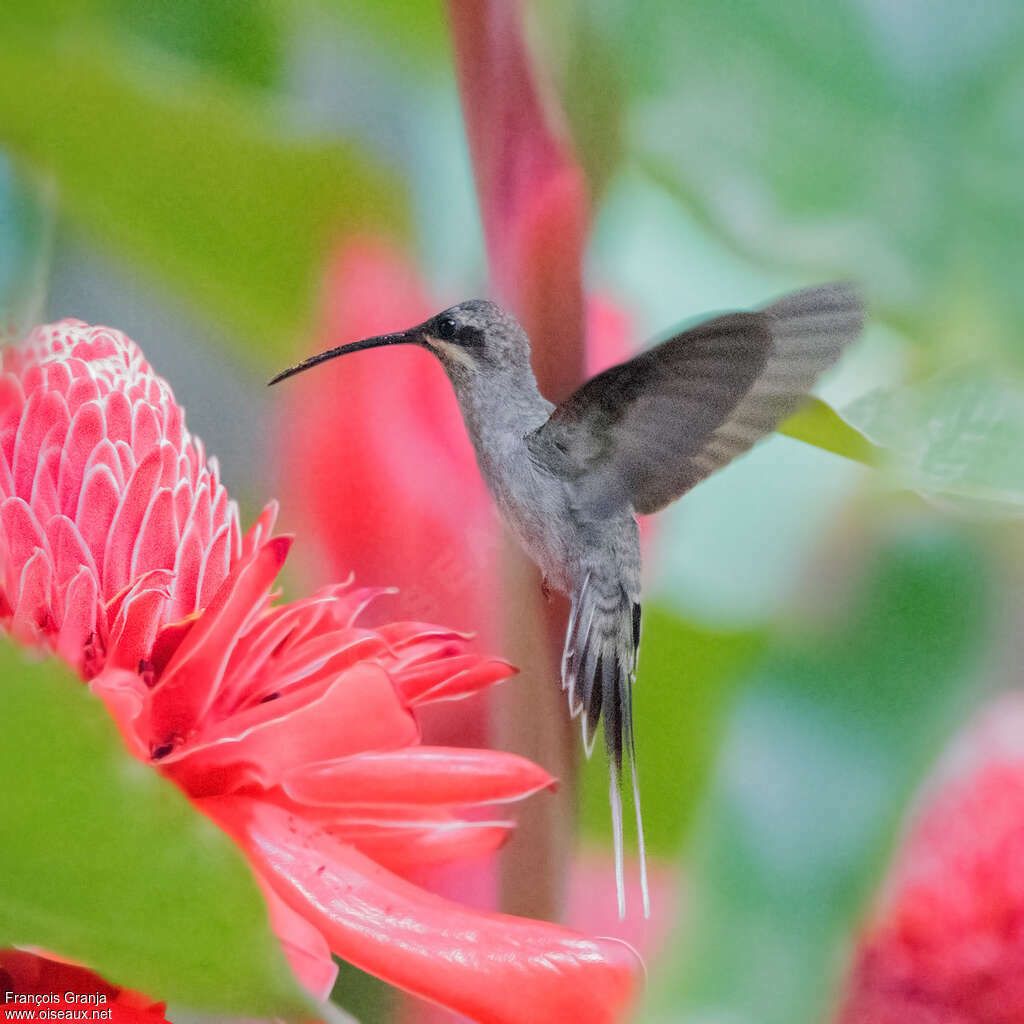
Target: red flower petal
[[450, 678], [83, 437], [401, 635], [124, 694], [33, 599], [81, 601], [128, 519], [305, 663], [70, 553], [43, 409], [190, 680], [401, 837], [409, 849], [274, 642], [494, 968], [356, 711], [418, 775], [22, 534], [306, 949], [137, 618], [156, 546], [187, 568], [24, 973]]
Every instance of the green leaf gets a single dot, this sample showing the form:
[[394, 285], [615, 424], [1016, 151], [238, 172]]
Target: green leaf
[[823, 749], [105, 862], [686, 678], [367, 999], [196, 185], [818, 424], [26, 235], [239, 39], [956, 439]]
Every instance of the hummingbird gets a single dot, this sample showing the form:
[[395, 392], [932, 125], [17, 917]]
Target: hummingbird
[[570, 479]]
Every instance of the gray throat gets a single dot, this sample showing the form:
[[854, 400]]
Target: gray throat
[[499, 408]]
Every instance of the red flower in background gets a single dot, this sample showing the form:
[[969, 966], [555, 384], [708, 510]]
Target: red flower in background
[[290, 725], [947, 944], [29, 982]]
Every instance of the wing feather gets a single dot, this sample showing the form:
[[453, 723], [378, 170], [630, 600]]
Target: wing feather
[[644, 432]]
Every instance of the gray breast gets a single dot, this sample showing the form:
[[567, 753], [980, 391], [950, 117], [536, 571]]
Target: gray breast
[[535, 504]]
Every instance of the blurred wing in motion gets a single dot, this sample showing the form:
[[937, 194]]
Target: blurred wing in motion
[[644, 432]]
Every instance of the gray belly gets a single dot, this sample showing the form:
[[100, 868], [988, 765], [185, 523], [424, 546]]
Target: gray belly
[[537, 508], [543, 526]]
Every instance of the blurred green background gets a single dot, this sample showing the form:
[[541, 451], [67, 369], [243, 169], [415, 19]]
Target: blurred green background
[[816, 630]]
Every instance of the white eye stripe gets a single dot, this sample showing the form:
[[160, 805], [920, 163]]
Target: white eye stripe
[[454, 352]]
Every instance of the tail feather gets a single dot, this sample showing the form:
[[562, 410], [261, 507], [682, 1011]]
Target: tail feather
[[611, 701], [615, 799], [593, 696], [630, 744], [598, 669]]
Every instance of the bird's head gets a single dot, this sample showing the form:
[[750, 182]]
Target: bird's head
[[471, 339]]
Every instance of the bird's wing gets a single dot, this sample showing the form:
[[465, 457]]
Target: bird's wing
[[644, 432]]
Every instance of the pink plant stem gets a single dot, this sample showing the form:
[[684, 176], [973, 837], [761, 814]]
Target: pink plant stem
[[533, 206]]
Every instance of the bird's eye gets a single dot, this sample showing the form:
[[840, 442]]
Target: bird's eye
[[446, 328]]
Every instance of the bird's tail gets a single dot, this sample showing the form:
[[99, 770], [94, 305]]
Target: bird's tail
[[598, 670]]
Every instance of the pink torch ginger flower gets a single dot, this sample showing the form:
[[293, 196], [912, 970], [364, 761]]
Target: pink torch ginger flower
[[947, 944], [290, 725], [112, 521]]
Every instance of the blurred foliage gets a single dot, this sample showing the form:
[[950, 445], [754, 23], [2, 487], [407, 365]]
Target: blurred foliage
[[412, 33], [220, 202], [823, 747], [26, 237], [686, 680], [956, 438], [239, 39], [107, 863], [879, 141]]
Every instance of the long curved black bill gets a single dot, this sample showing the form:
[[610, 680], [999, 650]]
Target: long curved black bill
[[412, 337]]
